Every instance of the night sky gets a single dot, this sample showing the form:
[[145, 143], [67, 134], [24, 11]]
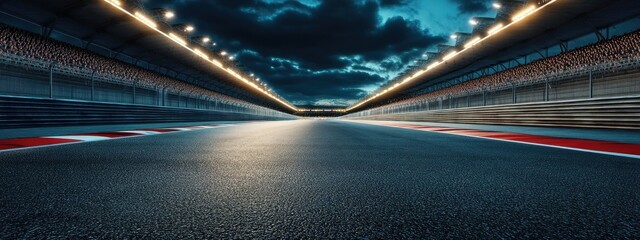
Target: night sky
[[326, 52]]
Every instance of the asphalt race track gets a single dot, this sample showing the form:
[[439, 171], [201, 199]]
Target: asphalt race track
[[316, 179]]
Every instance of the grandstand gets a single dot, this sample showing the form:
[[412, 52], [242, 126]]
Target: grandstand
[[106, 64], [617, 58], [543, 57], [74, 67], [119, 52], [117, 122]]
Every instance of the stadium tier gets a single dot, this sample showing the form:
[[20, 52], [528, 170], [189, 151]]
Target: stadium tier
[[323, 119], [24, 55], [618, 57]]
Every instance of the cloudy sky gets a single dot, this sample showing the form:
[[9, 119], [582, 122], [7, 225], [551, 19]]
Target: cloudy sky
[[326, 52]]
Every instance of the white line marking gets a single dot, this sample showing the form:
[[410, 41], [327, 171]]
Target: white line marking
[[81, 138], [178, 129], [141, 132]]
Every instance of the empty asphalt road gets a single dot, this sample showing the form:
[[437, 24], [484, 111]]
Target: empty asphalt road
[[316, 179]]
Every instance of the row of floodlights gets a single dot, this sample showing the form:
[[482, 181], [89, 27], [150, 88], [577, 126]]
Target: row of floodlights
[[528, 10], [256, 84]]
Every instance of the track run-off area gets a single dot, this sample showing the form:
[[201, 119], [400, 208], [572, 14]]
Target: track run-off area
[[319, 179]]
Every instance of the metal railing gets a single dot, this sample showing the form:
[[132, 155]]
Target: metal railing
[[21, 76], [27, 112], [618, 113]]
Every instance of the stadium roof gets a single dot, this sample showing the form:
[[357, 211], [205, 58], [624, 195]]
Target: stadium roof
[[563, 20], [97, 23]]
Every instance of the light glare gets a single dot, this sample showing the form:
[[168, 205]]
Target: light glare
[[144, 19], [495, 29], [449, 56], [522, 14], [169, 15], [178, 39], [472, 42]]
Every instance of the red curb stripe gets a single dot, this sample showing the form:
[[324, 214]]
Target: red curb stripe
[[579, 144], [32, 142], [20, 143], [614, 147]]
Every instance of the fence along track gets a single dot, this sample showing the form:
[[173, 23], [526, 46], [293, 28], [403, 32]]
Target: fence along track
[[19, 112], [620, 112]]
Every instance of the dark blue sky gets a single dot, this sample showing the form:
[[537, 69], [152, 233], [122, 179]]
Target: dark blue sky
[[326, 52]]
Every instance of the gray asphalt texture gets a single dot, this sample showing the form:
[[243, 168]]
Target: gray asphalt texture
[[316, 179]]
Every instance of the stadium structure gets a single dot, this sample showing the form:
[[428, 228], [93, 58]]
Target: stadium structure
[[116, 121]]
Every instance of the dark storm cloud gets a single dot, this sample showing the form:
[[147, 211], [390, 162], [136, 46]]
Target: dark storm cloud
[[304, 87], [472, 6], [392, 3], [318, 42]]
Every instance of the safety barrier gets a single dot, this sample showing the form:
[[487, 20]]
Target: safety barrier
[[620, 112], [20, 112]]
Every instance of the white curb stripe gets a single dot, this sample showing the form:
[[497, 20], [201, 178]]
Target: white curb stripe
[[81, 138], [178, 129], [141, 132]]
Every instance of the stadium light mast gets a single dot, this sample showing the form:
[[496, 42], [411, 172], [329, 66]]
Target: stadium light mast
[[443, 48], [162, 14], [429, 56], [508, 8], [482, 24], [460, 38], [184, 28], [168, 15], [202, 40]]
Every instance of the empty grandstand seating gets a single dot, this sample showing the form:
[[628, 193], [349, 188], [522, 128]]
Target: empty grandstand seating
[[616, 62], [27, 60]]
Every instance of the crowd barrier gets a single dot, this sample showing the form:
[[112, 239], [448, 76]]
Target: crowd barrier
[[21, 112], [619, 112]]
